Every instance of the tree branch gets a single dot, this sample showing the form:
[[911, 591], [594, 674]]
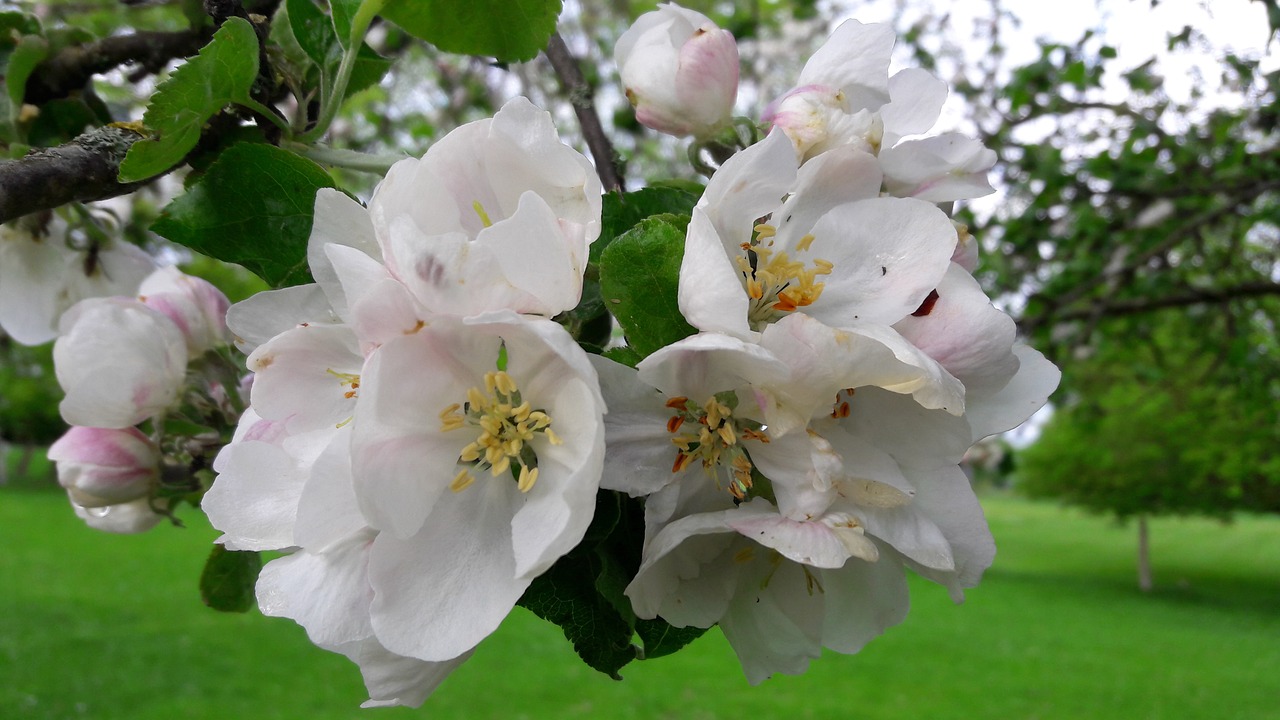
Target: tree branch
[[69, 69], [82, 170], [580, 96], [1138, 306]]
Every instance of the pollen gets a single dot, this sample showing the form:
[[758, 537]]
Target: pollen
[[776, 283], [505, 426], [716, 439]]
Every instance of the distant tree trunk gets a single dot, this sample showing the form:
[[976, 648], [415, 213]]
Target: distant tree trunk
[[1144, 556]]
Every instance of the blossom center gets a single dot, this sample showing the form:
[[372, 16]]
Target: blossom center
[[776, 283], [506, 424], [716, 440]]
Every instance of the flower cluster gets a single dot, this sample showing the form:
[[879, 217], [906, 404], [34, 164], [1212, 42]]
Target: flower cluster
[[128, 361], [803, 448], [422, 437], [424, 441]]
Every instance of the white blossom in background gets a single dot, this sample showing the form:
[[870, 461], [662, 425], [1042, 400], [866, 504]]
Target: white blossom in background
[[42, 275], [422, 439], [845, 97], [679, 70]]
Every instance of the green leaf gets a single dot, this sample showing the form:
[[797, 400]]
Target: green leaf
[[661, 638], [640, 276], [567, 595], [28, 53], [509, 30], [317, 37], [226, 584], [314, 32], [222, 73], [253, 207], [623, 210]]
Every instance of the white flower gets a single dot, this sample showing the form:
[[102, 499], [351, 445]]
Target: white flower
[[119, 362], [838, 92], [497, 215], [100, 467], [679, 70], [479, 472], [777, 613], [41, 276], [845, 97]]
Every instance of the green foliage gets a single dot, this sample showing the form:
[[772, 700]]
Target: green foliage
[[29, 395], [315, 34], [639, 278], [252, 207], [226, 584], [221, 74], [623, 211], [509, 30], [1156, 426], [600, 634]]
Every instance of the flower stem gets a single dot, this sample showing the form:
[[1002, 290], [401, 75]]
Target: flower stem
[[349, 159], [359, 26]]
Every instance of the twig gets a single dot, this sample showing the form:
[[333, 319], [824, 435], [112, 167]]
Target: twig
[[1138, 306], [70, 68], [580, 96]]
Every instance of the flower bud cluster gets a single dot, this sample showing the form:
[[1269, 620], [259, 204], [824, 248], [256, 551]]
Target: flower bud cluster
[[124, 362], [422, 439]]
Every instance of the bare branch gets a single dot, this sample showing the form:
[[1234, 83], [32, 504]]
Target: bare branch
[[1138, 306], [82, 170], [69, 69], [580, 96]]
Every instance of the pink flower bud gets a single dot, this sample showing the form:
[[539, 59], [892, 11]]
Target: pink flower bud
[[679, 70], [196, 307], [101, 467]]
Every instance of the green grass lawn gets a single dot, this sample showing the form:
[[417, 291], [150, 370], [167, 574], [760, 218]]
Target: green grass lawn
[[105, 627]]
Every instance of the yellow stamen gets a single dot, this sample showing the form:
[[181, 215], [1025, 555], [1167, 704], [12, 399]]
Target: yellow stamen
[[461, 481]]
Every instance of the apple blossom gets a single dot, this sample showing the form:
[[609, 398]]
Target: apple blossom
[[101, 467], [496, 215], [119, 362], [679, 70], [42, 275], [197, 308]]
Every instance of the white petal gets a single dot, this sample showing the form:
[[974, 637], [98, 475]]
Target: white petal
[[917, 101], [254, 500], [395, 680], [640, 454], [946, 497], [855, 59], [862, 600], [888, 255], [1026, 393], [442, 591], [304, 376], [327, 593], [263, 316], [966, 334], [711, 295]]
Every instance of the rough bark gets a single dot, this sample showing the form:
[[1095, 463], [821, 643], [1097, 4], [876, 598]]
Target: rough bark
[[82, 170]]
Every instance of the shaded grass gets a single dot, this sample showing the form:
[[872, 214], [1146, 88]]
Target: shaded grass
[[100, 626]]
